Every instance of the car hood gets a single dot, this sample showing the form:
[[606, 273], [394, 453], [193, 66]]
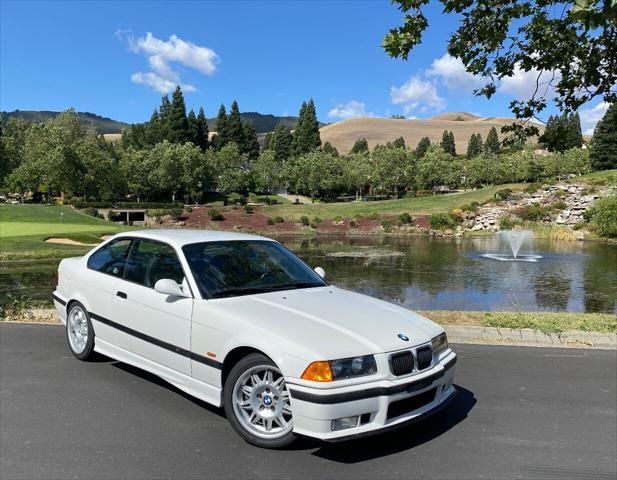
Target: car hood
[[330, 322]]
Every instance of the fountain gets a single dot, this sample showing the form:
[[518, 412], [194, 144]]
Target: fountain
[[515, 239]]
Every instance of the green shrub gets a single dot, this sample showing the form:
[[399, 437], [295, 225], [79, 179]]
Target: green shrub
[[469, 208], [278, 219], [533, 188], [175, 213], [405, 218], [317, 220], [304, 220], [558, 205], [604, 216], [441, 221], [387, 224], [503, 194], [189, 209], [111, 216], [508, 223], [474, 206], [93, 212], [353, 224], [338, 219], [373, 216], [215, 215], [533, 212], [270, 221], [579, 225], [248, 209], [423, 193]]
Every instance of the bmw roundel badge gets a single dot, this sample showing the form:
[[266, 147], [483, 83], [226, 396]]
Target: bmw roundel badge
[[404, 338]]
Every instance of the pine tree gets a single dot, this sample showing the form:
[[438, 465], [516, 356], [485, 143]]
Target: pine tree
[[360, 146], [328, 148], [222, 138], [399, 143], [422, 147], [203, 133], [492, 144], [267, 141], [164, 113], [282, 142], [474, 146], [603, 150], [447, 143], [306, 133], [154, 133], [575, 139], [235, 130], [192, 127], [250, 144], [178, 123], [561, 133]]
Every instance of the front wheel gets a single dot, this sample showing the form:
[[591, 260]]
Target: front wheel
[[79, 332], [257, 402]]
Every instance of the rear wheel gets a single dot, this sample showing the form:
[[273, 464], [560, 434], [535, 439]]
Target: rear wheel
[[79, 332], [257, 402]]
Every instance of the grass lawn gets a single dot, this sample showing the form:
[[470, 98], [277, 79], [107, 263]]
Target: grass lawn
[[24, 228], [546, 322], [414, 206]]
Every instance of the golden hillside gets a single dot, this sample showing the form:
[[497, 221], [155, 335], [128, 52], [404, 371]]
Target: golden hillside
[[344, 134]]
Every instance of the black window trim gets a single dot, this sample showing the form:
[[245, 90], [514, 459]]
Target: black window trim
[[130, 249]]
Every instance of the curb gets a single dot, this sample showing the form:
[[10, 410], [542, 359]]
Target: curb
[[529, 337]]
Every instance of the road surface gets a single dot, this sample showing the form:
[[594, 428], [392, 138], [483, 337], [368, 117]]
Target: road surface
[[521, 413]]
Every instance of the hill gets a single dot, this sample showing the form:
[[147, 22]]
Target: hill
[[103, 125], [344, 134]]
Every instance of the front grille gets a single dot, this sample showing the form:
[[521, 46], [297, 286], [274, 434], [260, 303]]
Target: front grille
[[407, 405], [401, 363], [425, 357]]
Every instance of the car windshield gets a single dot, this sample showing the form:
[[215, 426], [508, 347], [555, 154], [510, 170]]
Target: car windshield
[[233, 268]]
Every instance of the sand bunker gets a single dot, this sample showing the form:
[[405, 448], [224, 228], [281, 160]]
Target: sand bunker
[[68, 241]]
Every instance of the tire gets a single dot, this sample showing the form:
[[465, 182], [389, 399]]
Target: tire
[[257, 403], [79, 332]]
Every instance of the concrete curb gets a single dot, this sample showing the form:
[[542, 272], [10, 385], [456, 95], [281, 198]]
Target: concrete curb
[[456, 334], [529, 337]]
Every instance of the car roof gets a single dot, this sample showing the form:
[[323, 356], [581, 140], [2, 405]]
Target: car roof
[[181, 237]]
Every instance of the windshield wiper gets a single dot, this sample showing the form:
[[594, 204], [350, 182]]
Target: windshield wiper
[[265, 289]]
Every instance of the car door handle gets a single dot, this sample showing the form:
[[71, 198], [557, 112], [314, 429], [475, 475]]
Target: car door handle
[[121, 294]]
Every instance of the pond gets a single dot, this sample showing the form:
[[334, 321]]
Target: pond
[[428, 273]]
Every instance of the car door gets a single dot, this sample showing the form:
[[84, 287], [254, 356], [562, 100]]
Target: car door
[[153, 325]]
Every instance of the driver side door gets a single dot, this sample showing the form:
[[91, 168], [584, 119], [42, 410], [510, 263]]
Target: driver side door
[[153, 325]]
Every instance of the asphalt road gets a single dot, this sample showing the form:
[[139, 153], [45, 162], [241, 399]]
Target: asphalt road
[[521, 413]]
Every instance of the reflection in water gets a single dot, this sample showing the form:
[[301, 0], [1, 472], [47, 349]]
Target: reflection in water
[[428, 274]]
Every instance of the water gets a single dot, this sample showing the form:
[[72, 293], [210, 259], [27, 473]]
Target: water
[[428, 274], [513, 241]]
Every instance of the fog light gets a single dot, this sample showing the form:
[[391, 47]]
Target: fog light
[[344, 423]]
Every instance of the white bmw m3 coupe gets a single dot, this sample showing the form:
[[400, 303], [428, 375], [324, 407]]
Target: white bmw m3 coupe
[[241, 322]]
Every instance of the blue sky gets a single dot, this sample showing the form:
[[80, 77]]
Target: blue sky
[[116, 58]]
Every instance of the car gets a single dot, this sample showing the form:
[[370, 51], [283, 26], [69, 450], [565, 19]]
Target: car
[[242, 323]]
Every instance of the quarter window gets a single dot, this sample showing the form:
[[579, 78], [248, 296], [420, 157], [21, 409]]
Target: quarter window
[[150, 262], [111, 258]]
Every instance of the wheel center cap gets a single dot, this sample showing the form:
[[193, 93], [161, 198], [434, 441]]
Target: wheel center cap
[[267, 400]]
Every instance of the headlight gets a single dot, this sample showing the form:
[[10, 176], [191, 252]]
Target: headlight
[[324, 371], [439, 343]]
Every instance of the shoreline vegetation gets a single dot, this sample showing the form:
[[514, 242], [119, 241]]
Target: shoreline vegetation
[[547, 323]]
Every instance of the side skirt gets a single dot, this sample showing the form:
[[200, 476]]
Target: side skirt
[[190, 385]]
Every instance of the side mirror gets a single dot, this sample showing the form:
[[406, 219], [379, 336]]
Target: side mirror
[[167, 286], [320, 271]]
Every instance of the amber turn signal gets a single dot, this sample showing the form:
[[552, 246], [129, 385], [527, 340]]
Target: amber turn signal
[[318, 372]]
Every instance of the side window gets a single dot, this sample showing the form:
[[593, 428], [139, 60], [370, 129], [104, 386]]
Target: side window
[[111, 258], [149, 262]]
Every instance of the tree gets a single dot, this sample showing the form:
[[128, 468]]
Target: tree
[[328, 148], [570, 46], [422, 147], [177, 122], [358, 171], [202, 133], [154, 130], [135, 168], [222, 137], [492, 144], [399, 143], [282, 142], [603, 149], [435, 168], [393, 170], [267, 145], [448, 144], [229, 168], [474, 146], [12, 143], [360, 146], [268, 172], [250, 144], [193, 130], [234, 129], [306, 134], [562, 132]]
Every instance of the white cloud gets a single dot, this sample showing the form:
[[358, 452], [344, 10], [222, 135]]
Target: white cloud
[[452, 73], [522, 84], [163, 54], [417, 94], [591, 116], [350, 109]]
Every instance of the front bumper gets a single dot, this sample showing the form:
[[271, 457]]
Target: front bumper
[[379, 405]]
